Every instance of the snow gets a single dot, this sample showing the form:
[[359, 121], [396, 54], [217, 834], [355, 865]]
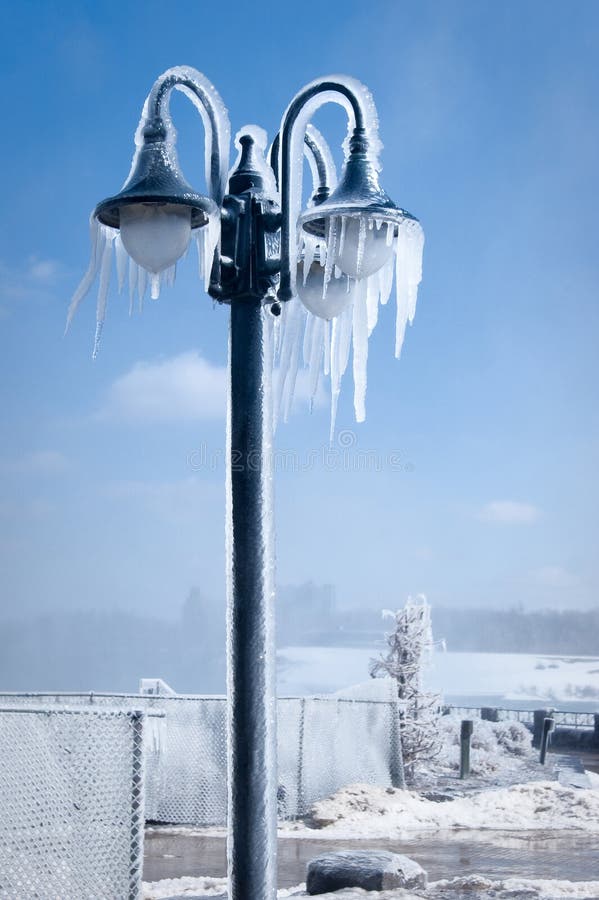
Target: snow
[[473, 886], [379, 812]]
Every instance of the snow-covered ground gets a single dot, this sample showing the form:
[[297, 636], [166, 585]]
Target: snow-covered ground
[[502, 679], [475, 887]]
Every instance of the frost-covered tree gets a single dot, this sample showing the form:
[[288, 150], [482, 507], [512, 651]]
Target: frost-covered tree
[[409, 649]]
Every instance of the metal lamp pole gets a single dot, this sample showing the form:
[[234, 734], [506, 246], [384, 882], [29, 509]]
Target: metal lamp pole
[[248, 272]]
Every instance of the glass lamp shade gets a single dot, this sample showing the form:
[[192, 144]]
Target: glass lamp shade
[[365, 247], [337, 296], [155, 235]]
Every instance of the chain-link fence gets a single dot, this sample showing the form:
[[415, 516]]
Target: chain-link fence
[[324, 743], [71, 803]]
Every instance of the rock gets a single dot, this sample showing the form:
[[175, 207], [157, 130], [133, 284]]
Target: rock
[[372, 870]]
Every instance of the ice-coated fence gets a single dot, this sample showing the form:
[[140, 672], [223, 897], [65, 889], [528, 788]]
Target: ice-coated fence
[[71, 802], [324, 743]]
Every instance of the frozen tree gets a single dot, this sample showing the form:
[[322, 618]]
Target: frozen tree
[[409, 649]]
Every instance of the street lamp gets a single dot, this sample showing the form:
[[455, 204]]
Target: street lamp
[[313, 277]]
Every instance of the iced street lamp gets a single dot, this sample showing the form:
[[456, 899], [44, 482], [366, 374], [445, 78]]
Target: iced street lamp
[[259, 252]]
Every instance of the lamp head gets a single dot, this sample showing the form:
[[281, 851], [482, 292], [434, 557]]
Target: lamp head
[[359, 207], [156, 208]]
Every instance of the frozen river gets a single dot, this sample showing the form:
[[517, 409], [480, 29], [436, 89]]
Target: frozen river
[[515, 680]]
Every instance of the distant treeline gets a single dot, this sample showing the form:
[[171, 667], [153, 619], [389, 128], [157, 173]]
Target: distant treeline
[[515, 631], [110, 651]]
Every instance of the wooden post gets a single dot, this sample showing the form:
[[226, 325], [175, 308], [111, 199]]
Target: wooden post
[[465, 737]]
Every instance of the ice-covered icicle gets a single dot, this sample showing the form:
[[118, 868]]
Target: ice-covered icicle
[[326, 366], [360, 344], [308, 330], [385, 276], [390, 233], [207, 265], [293, 365], [402, 299], [342, 235], [340, 346], [309, 254], [170, 276], [361, 245], [103, 287], [97, 240], [332, 235], [316, 348], [288, 357], [133, 267], [199, 242], [414, 266], [372, 299], [155, 285], [121, 257], [142, 280]]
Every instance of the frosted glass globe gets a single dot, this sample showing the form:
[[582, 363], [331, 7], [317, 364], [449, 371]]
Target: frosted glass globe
[[376, 250], [337, 297], [155, 235]]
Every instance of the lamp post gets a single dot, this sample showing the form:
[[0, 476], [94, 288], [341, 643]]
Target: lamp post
[[251, 252]]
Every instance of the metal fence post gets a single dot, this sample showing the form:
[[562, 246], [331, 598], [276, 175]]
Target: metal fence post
[[465, 736], [137, 805], [539, 716], [548, 726], [300, 759]]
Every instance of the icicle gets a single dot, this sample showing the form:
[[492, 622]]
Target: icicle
[[121, 257], [340, 346], [307, 348], [390, 233], [361, 245], [155, 285], [338, 273], [199, 242], [372, 300], [331, 253], [327, 348], [360, 335], [170, 276], [97, 239], [342, 236], [142, 280], [414, 266], [309, 254], [315, 358], [207, 262], [133, 268], [385, 275], [289, 357], [401, 288], [103, 289]]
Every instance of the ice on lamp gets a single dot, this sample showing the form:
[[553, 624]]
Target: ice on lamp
[[323, 296], [363, 246], [155, 235]]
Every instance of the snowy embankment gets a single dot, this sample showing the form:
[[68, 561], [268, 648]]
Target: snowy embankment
[[362, 809]]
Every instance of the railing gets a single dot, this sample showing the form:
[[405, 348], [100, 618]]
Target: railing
[[563, 718]]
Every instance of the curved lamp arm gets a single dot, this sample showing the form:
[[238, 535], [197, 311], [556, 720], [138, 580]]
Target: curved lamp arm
[[362, 117], [324, 174], [209, 104]]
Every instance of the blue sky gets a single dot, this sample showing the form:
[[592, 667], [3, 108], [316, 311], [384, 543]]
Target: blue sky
[[489, 120]]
